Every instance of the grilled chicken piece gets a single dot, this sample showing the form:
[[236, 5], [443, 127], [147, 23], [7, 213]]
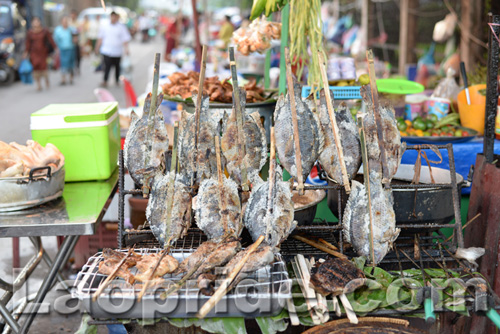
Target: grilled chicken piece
[[356, 220], [332, 276], [311, 136], [213, 254], [148, 262], [279, 223], [204, 162], [157, 212], [348, 131], [107, 267], [112, 258], [260, 258], [254, 140], [210, 218], [136, 143]]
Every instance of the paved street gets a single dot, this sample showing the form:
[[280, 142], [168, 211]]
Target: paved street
[[18, 101]]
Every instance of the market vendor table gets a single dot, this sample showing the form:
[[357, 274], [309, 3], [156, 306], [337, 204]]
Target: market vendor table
[[464, 153], [78, 212]]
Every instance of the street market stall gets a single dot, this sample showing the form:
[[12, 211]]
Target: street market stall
[[231, 231]]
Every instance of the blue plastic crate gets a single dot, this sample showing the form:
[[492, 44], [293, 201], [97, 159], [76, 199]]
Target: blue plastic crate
[[339, 93]]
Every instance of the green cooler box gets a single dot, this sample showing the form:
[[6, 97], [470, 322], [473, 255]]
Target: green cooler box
[[88, 134]]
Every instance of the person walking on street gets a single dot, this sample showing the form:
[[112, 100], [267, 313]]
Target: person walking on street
[[112, 44], [39, 45], [64, 40]]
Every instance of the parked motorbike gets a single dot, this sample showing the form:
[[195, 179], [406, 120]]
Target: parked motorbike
[[7, 61]]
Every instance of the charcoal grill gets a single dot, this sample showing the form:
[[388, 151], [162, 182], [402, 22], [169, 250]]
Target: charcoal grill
[[262, 293]]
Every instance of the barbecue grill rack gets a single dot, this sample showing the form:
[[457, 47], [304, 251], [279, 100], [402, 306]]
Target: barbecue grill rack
[[269, 286], [427, 235]]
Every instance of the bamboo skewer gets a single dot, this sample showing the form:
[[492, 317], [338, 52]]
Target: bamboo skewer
[[239, 120], [201, 80], [171, 181], [296, 138], [151, 123], [348, 309], [333, 121], [272, 182], [222, 203], [366, 174], [311, 302], [319, 246], [151, 276], [378, 121], [111, 276], [222, 290]]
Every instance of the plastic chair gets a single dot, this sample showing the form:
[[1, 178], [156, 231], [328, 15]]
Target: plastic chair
[[130, 95], [104, 95]]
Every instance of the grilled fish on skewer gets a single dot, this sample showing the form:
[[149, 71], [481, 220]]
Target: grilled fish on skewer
[[356, 221], [148, 262], [280, 219], [392, 138], [201, 161], [311, 137], [369, 220], [333, 275], [180, 215], [136, 143], [255, 143], [328, 158], [209, 216]]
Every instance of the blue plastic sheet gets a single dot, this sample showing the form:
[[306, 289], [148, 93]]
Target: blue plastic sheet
[[464, 156]]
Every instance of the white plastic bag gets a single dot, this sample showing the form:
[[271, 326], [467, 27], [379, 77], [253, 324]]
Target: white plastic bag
[[126, 67]]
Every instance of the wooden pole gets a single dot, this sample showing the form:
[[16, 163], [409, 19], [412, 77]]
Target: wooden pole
[[196, 33], [295, 125], [403, 35], [285, 16], [198, 108], [333, 123]]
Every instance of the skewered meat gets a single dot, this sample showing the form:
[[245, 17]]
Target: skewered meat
[[260, 258], [107, 268], [218, 255], [356, 221], [112, 258], [157, 212], [279, 223], [210, 217], [254, 140], [147, 263], [348, 131], [17, 160], [311, 137], [136, 143], [332, 276], [204, 164], [186, 85]]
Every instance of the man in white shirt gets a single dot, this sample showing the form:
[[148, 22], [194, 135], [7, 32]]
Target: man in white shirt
[[112, 44]]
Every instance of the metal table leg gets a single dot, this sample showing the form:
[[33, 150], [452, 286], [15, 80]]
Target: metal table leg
[[9, 319], [68, 242]]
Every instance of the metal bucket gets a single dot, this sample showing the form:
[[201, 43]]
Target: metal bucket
[[430, 206], [17, 193], [265, 109]]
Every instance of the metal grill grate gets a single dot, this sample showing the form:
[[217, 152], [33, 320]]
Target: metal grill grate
[[270, 283]]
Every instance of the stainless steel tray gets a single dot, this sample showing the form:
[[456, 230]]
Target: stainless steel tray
[[17, 193], [263, 293]]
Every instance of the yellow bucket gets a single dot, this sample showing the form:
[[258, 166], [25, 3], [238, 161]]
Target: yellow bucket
[[472, 116]]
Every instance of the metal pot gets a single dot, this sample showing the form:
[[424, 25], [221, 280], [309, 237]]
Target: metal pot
[[431, 206], [265, 109], [305, 212], [17, 193]]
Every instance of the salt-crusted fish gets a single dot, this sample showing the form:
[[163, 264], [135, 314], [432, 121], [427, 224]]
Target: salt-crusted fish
[[137, 143], [349, 140], [311, 137]]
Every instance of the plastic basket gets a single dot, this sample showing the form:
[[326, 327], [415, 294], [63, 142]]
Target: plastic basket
[[339, 93]]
